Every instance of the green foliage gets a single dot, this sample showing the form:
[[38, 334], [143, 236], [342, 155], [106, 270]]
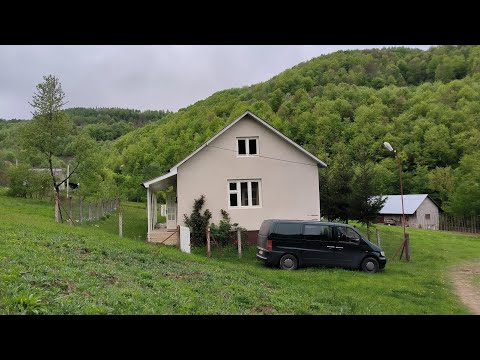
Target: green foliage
[[47, 132], [365, 202], [225, 231], [198, 222], [465, 199], [335, 187], [25, 182]]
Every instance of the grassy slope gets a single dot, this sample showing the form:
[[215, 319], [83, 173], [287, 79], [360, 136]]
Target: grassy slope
[[58, 269]]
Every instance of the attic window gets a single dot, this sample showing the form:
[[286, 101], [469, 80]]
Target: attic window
[[247, 146]]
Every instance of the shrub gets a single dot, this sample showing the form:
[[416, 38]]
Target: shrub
[[225, 232], [197, 222]]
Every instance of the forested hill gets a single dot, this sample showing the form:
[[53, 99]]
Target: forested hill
[[101, 124], [342, 107], [110, 123]]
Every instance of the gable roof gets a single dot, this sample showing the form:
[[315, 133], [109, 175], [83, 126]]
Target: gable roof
[[264, 123], [255, 117], [393, 205]]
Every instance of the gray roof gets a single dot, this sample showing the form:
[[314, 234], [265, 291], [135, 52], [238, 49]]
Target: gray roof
[[393, 205]]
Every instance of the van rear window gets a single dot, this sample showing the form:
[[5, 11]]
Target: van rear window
[[264, 228], [288, 230]]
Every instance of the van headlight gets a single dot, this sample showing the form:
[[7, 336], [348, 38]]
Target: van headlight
[[382, 253]]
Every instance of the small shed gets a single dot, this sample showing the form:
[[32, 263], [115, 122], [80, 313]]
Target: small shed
[[420, 211]]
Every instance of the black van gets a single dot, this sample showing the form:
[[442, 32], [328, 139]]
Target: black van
[[293, 243]]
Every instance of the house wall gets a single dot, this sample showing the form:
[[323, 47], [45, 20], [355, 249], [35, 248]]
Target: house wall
[[288, 190], [427, 207]]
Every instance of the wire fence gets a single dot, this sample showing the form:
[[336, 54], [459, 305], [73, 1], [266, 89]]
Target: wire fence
[[465, 224], [389, 239], [79, 211]]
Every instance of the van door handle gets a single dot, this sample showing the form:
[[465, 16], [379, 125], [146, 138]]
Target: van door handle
[[331, 247], [338, 247]]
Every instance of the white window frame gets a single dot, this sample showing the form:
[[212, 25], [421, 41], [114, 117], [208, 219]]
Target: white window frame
[[247, 146], [249, 192]]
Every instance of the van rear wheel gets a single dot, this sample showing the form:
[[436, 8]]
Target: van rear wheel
[[288, 262], [370, 265]]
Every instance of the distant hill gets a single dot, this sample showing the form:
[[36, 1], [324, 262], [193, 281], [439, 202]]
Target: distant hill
[[111, 123]]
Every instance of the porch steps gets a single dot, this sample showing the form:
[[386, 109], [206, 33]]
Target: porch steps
[[159, 236]]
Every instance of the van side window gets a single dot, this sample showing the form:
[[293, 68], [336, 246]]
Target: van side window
[[347, 235], [288, 230], [317, 232]]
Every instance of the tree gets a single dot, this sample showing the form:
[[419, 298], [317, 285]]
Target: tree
[[465, 199], [197, 222], [47, 132], [365, 201], [335, 187]]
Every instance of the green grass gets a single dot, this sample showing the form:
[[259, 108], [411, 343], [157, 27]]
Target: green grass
[[59, 269]]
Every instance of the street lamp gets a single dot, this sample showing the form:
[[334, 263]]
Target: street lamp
[[406, 243]]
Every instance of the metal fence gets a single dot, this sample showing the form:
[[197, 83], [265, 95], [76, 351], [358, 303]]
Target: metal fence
[[390, 239], [79, 211]]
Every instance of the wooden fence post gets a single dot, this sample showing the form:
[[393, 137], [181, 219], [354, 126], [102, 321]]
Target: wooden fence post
[[407, 246], [208, 242], [70, 213], [239, 242], [378, 236], [120, 221], [178, 237], [81, 210]]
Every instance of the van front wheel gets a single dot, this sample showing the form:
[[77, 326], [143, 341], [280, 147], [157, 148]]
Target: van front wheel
[[370, 265], [288, 262]]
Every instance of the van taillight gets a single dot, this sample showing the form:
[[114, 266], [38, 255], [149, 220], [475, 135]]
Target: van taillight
[[269, 245]]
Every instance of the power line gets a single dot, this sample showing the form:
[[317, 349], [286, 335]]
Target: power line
[[266, 157]]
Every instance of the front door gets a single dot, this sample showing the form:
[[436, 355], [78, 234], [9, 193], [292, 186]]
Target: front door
[[171, 211]]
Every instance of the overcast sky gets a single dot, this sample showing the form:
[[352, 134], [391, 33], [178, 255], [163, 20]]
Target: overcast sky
[[143, 77]]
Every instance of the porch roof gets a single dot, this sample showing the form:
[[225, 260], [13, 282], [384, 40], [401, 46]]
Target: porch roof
[[162, 182]]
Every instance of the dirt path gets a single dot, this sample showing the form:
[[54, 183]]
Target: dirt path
[[469, 293]]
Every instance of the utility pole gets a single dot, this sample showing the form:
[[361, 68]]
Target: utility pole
[[406, 239]]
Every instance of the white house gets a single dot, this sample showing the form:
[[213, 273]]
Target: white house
[[249, 169], [420, 211]]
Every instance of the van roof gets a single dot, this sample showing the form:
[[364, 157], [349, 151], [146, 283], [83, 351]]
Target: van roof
[[306, 222]]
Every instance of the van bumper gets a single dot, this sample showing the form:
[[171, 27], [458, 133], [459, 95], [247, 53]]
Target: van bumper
[[382, 261], [269, 257]]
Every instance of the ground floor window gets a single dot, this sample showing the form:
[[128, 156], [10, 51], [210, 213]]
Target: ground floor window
[[244, 193]]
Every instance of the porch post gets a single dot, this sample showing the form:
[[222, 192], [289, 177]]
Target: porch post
[[155, 218], [149, 209]]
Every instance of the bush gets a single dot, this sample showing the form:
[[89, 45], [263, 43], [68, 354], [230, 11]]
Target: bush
[[25, 182], [225, 232], [197, 222]]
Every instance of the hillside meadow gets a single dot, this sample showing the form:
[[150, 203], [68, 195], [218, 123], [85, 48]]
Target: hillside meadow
[[61, 269]]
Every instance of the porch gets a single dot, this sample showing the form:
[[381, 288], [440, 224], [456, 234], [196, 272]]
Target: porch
[[165, 234]]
